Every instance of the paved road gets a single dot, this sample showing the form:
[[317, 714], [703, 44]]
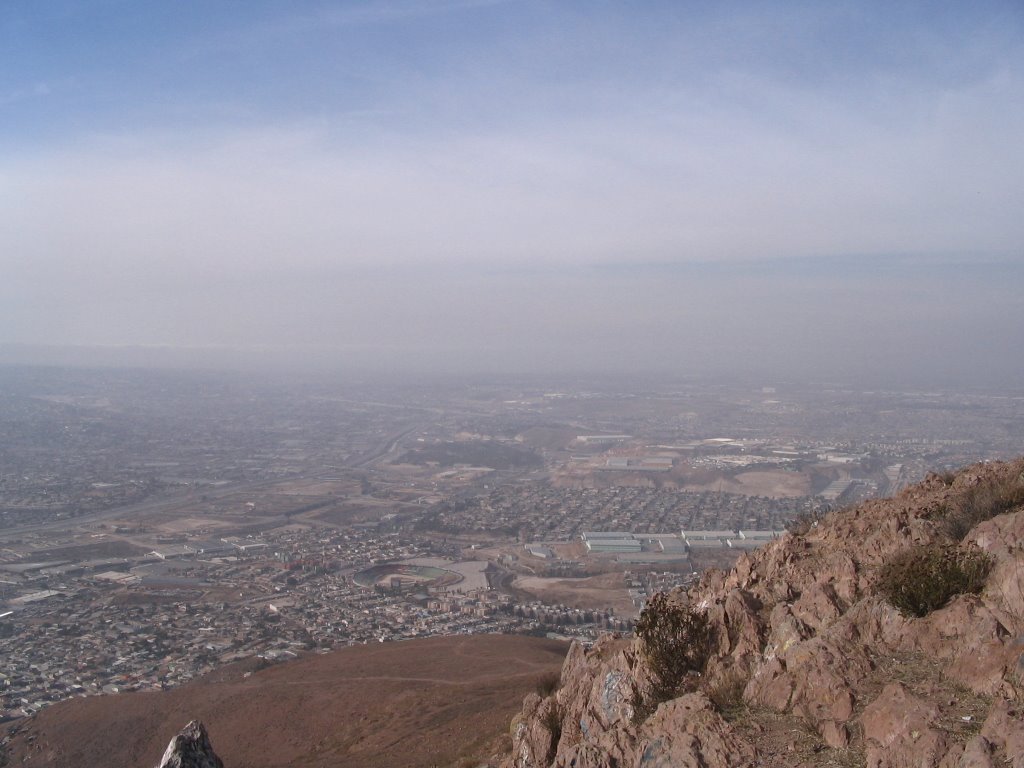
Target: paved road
[[389, 445]]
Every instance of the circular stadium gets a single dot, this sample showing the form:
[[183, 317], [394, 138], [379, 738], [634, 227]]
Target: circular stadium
[[403, 577]]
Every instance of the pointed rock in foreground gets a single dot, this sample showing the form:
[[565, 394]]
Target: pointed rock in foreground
[[191, 749]]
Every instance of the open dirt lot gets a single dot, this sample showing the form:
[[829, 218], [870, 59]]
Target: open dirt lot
[[188, 524], [594, 592], [318, 488], [776, 485]]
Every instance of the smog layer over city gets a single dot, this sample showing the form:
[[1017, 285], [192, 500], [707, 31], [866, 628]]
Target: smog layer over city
[[337, 324]]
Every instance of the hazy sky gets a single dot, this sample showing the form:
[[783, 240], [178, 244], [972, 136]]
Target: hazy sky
[[820, 188]]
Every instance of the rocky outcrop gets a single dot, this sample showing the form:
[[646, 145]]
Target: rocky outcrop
[[191, 748], [807, 658], [900, 729], [683, 732]]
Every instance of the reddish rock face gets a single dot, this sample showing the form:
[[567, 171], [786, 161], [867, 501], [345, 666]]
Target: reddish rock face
[[1003, 733], [682, 732], [900, 730], [836, 735], [820, 653]]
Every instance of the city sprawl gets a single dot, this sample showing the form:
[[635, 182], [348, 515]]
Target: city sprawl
[[156, 525]]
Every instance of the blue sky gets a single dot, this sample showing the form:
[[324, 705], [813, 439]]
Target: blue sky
[[395, 177]]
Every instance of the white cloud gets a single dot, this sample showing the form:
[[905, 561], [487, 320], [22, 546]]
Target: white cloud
[[685, 187], [475, 208]]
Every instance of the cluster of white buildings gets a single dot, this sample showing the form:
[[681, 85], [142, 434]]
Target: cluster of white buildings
[[623, 542]]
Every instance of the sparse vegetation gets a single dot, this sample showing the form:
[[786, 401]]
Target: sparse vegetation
[[548, 683], [982, 502], [805, 521], [923, 579], [553, 722], [726, 693], [676, 642]]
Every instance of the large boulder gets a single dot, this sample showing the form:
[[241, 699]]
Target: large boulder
[[900, 731], [191, 748]]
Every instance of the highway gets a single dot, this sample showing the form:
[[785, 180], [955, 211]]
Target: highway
[[134, 511]]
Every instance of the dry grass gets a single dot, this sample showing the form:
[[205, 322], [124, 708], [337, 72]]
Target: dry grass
[[787, 740], [920, 580], [982, 502], [926, 677], [726, 693], [390, 705]]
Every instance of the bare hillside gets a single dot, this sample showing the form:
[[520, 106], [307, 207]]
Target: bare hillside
[[419, 703]]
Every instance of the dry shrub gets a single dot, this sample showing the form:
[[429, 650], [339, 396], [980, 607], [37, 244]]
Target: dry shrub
[[675, 641], [802, 524], [920, 580], [982, 502], [947, 477], [548, 683], [726, 692]]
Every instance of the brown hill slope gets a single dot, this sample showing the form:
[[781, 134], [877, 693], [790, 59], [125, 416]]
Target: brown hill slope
[[417, 703], [797, 657]]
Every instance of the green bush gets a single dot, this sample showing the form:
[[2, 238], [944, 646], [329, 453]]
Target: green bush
[[982, 502], [675, 641], [923, 579]]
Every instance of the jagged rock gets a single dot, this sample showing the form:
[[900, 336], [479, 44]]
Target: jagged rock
[[581, 756], [898, 728], [1001, 536], [536, 732], [799, 621], [814, 678], [1004, 594], [871, 623], [982, 654], [684, 732], [598, 686], [836, 735], [817, 606], [977, 754], [1004, 731], [786, 631], [743, 624], [688, 732], [191, 748]]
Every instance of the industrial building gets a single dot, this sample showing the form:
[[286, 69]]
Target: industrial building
[[539, 550], [614, 545], [732, 539], [670, 544]]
